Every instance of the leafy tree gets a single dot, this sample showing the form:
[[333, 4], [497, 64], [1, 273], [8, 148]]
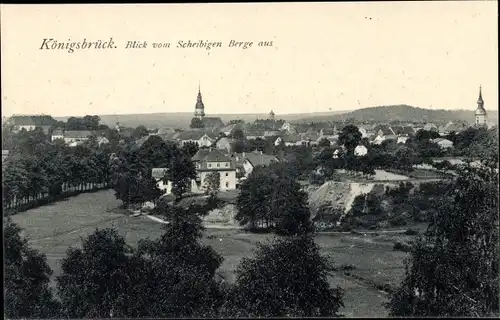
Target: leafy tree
[[182, 270], [190, 148], [237, 134], [140, 131], [213, 183], [422, 135], [287, 277], [96, 280], [453, 269], [324, 143], [350, 137], [405, 158], [273, 199], [26, 278], [181, 171]]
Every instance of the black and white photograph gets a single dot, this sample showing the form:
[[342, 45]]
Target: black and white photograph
[[250, 160]]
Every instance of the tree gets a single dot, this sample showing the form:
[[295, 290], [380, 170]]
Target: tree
[[213, 183], [350, 137], [237, 134], [405, 158], [140, 131], [190, 148], [276, 283], [26, 278], [273, 199], [324, 143], [95, 280], [453, 270], [182, 270], [180, 172]]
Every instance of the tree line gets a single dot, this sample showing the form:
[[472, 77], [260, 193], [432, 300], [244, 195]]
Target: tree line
[[38, 171]]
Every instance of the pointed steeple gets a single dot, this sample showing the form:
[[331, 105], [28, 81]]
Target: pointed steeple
[[199, 110], [480, 99]]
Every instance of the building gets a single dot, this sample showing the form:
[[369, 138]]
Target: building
[[206, 161], [199, 113], [224, 144], [31, 122], [255, 159], [57, 134], [77, 136], [431, 127], [360, 151], [198, 137], [480, 111], [271, 115], [443, 143]]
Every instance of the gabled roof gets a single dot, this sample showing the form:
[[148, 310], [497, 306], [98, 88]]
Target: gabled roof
[[158, 173], [397, 129], [408, 130], [32, 120], [205, 156], [386, 131], [193, 135], [291, 138], [78, 134], [328, 132], [210, 122], [58, 132], [260, 159]]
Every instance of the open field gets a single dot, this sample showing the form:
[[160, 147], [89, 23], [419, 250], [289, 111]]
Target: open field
[[54, 228]]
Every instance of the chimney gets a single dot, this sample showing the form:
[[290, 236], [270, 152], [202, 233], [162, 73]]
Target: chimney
[[243, 154], [260, 151]]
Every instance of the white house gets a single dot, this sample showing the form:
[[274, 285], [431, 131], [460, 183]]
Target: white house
[[360, 151], [76, 136], [443, 143], [202, 139], [402, 139], [224, 143], [286, 126], [57, 134]]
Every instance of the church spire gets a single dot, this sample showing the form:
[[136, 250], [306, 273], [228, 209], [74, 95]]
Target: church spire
[[199, 108], [480, 99]]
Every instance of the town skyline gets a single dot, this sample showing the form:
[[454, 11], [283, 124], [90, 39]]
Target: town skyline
[[358, 60]]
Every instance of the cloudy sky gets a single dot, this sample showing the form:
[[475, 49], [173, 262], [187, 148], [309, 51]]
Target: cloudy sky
[[338, 56]]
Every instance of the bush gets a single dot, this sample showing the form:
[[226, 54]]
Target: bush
[[411, 232], [399, 246], [397, 221]]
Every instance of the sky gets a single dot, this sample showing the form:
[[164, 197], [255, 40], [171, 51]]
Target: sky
[[324, 56]]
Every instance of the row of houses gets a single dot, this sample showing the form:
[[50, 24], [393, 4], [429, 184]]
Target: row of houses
[[76, 137]]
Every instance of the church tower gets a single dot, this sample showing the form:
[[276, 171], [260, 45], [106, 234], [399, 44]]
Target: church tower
[[480, 111], [271, 115], [199, 110]]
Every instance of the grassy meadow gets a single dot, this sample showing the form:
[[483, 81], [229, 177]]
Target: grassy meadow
[[54, 228]]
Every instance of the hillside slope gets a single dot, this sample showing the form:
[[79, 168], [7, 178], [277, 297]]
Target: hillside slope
[[406, 113]]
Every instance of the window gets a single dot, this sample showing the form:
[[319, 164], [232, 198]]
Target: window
[[218, 165], [227, 164], [227, 184], [227, 174], [209, 165]]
